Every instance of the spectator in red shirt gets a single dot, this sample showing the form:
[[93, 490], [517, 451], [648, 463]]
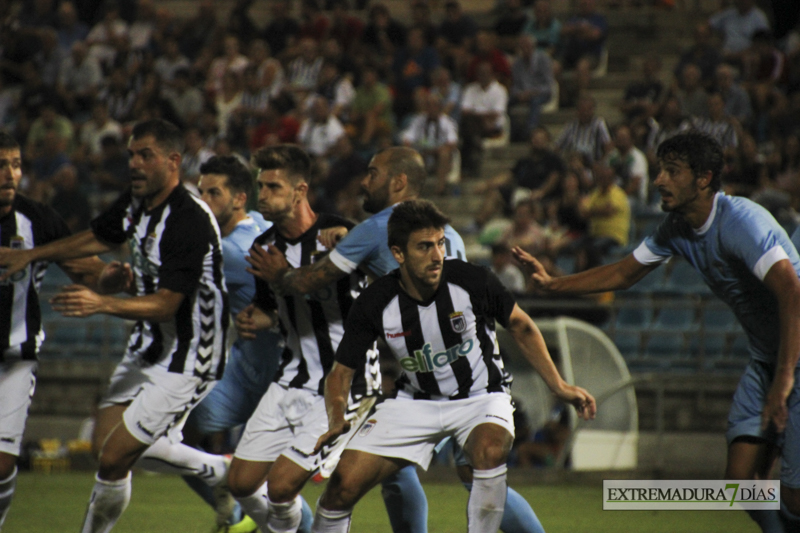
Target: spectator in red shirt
[[487, 51], [313, 24]]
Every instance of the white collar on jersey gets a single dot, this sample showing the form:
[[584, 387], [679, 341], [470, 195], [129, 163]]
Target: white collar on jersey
[[710, 220]]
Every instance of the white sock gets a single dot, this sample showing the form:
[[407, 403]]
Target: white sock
[[284, 517], [166, 457], [109, 499], [331, 521], [487, 500], [7, 487], [256, 507]]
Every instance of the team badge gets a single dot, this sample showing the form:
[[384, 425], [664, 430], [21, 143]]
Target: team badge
[[458, 322], [17, 243], [367, 427], [149, 243]]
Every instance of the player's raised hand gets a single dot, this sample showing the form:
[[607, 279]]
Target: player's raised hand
[[269, 264], [775, 409], [532, 268], [77, 301], [329, 237], [580, 398], [116, 277], [332, 434], [12, 261]]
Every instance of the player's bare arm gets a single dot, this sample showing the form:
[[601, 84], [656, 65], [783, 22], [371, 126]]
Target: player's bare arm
[[101, 277], [337, 389], [330, 237], [531, 343], [271, 266], [613, 277], [252, 319], [79, 301], [783, 282], [83, 244]]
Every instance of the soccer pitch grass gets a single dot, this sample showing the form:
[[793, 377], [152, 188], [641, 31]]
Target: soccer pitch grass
[[56, 503]]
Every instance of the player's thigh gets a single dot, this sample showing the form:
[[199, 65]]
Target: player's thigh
[[17, 384], [245, 477], [484, 428], [355, 475], [285, 480], [119, 452], [108, 418]]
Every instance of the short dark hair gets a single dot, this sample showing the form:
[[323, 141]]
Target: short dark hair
[[7, 141], [240, 180], [701, 152], [405, 160], [166, 134], [289, 157], [410, 216]]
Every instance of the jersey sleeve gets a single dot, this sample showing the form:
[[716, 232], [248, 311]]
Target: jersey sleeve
[[360, 332], [183, 248], [236, 274], [655, 248], [500, 301], [755, 240], [360, 243], [108, 225]]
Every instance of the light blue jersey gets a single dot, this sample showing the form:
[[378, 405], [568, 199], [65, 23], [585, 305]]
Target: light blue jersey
[[732, 251], [367, 245]]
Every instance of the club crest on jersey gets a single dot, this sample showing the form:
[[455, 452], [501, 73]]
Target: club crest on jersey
[[149, 243], [16, 243], [458, 322], [367, 427]]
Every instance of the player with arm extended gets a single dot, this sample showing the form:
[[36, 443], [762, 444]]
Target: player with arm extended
[[276, 455], [748, 261], [438, 319], [24, 224], [176, 350], [393, 176]]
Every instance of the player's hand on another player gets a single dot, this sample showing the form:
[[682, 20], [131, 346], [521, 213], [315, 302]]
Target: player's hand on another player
[[775, 409], [116, 277], [269, 265], [12, 261], [533, 268], [340, 428], [250, 320], [580, 398], [329, 237], [77, 301]]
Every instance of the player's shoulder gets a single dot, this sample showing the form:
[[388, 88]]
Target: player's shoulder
[[466, 275], [736, 212], [329, 220], [33, 210], [381, 291], [267, 237]]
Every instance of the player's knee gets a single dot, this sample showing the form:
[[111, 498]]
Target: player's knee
[[791, 499], [341, 493], [240, 482], [282, 490], [7, 464]]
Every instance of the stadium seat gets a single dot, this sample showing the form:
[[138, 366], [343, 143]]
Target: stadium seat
[[664, 346], [718, 319], [680, 319], [628, 343], [634, 317]]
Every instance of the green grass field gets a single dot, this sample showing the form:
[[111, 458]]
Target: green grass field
[[56, 503]]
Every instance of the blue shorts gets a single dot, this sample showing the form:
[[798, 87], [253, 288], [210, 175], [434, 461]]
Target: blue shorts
[[235, 397], [744, 418]]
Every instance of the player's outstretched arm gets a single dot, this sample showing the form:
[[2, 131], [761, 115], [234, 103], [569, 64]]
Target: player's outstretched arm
[[612, 277], [531, 343], [337, 390], [252, 319], [83, 244], [79, 301], [783, 282]]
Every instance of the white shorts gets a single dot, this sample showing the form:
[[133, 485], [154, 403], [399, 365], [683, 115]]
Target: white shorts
[[410, 429], [286, 422], [357, 413], [159, 400], [17, 383]]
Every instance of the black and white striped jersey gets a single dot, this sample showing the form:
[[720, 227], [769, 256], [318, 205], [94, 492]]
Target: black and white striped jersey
[[447, 346], [28, 224], [313, 325], [175, 246]]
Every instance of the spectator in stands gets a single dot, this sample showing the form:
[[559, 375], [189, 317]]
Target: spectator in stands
[[371, 113], [506, 269], [346, 167], [172, 60], [526, 229], [383, 35], [274, 129], [111, 175], [764, 62], [345, 28], [512, 20], [79, 80], [252, 108], [100, 125], [50, 156], [232, 60], [583, 39], [348, 66], [320, 132], [608, 213], [49, 57], [787, 169], [195, 154], [304, 70], [644, 96], [531, 79], [412, 68], [483, 115], [702, 53], [630, 165], [691, 93], [745, 169], [486, 51], [49, 121], [536, 177], [241, 23], [718, 125], [268, 69], [313, 24], [143, 26], [101, 36], [737, 25], [448, 91], [200, 31], [228, 100], [421, 18], [337, 89], [70, 29], [587, 134], [458, 29], [565, 221], [69, 200], [186, 99], [671, 121], [435, 136], [282, 30], [544, 27], [37, 14], [737, 100]]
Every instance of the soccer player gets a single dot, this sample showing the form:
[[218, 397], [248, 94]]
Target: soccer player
[[394, 175], [748, 261], [277, 446], [176, 350], [438, 319], [25, 224]]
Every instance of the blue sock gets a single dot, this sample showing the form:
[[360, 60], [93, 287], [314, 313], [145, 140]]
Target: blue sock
[[790, 521], [518, 515], [405, 502], [307, 518], [206, 493]]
